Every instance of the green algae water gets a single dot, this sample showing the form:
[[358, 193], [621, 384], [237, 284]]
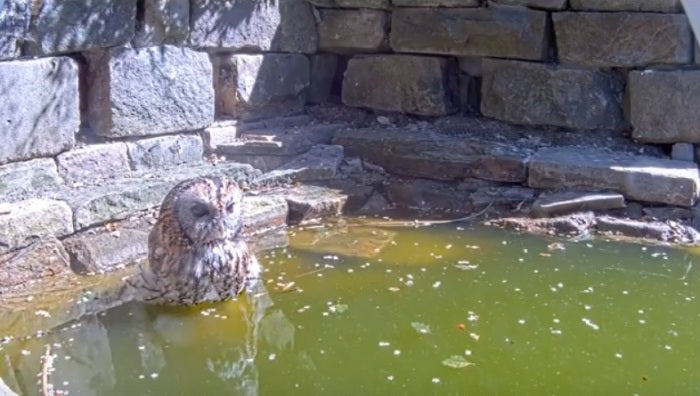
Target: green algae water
[[446, 310]]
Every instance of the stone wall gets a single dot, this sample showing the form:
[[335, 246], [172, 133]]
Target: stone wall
[[107, 104]]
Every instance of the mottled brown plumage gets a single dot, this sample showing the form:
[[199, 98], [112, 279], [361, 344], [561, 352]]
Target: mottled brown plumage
[[195, 250]]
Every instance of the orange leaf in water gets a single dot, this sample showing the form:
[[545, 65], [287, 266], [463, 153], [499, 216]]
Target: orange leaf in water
[[461, 326]]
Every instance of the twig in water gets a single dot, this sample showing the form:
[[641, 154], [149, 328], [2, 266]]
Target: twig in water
[[46, 368], [423, 223]]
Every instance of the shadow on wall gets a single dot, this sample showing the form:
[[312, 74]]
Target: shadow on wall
[[257, 49]]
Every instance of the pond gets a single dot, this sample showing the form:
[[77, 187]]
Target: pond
[[444, 309]]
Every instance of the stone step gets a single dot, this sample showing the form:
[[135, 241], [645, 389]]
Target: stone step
[[436, 156], [640, 178]]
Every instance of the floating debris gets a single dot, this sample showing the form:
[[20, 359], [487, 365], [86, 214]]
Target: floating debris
[[421, 328], [590, 324], [457, 361]]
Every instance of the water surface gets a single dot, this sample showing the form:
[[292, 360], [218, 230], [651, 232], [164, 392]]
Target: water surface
[[367, 310]]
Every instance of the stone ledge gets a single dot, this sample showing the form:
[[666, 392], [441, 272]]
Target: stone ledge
[[23, 222], [435, 156], [674, 182]]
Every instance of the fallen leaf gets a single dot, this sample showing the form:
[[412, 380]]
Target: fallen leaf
[[461, 326], [457, 361], [338, 308], [421, 328]]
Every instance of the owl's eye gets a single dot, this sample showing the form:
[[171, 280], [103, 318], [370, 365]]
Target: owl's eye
[[229, 208], [199, 210]]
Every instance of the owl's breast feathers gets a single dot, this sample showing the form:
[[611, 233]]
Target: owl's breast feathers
[[180, 273]]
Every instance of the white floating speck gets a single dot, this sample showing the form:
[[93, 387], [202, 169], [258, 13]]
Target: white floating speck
[[272, 356], [625, 292], [587, 307], [667, 347], [436, 380], [397, 352], [468, 352], [154, 375], [590, 324], [384, 344], [141, 376], [436, 284], [555, 331], [521, 321], [390, 377], [618, 355]]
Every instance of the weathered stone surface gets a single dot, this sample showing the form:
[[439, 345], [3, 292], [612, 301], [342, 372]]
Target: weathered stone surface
[[619, 39], [323, 70], [404, 83], [664, 104], [384, 4], [99, 160], [284, 25], [123, 197], [40, 115], [106, 251], [311, 202], [279, 141], [43, 259], [508, 32], [362, 30], [165, 151], [149, 91], [546, 4], [683, 152], [376, 204], [668, 213], [470, 65], [263, 213], [667, 232], [574, 224], [565, 202], [14, 22], [260, 86], [674, 182], [627, 5], [501, 197], [5, 390], [77, 25], [436, 156], [321, 162], [436, 3], [19, 178], [538, 94], [163, 22], [227, 131], [427, 195], [23, 222]]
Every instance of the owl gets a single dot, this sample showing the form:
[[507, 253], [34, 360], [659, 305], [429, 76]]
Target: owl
[[195, 250]]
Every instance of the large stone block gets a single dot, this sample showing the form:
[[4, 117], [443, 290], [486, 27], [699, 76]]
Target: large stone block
[[436, 3], [362, 30], [14, 22], [103, 251], [640, 178], [20, 178], [165, 151], [76, 25], [163, 22], [538, 94], [44, 259], [545, 4], [23, 222], [621, 39], [283, 25], [149, 91], [627, 5], [503, 31], [99, 160], [260, 86], [664, 105], [323, 74], [40, 111], [411, 84]]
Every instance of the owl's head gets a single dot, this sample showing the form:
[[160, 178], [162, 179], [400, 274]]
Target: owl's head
[[208, 209]]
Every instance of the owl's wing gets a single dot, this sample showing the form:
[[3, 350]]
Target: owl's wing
[[156, 249]]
